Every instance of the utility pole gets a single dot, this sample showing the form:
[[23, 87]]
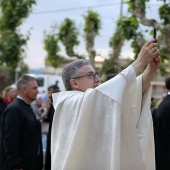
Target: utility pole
[[17, 70], [121, 8]]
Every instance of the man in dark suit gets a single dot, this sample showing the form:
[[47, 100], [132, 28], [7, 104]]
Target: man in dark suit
[[21, 145], [162, 132]]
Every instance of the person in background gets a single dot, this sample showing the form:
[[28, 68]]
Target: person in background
[[105, 126], [49, 119], [43, 112], [56, 87], [110, 76], [39, 108], [161, 122], [153, 111], [152, 104], [3, 105], [49, 94], [10, 94], [48, 146], [21, 144]]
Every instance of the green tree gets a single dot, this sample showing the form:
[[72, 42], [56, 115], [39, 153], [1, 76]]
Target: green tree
[[7, 74], [13, 12], [5, 77], [68, 35], [129, 28], [91, 30], [126, 28], [51, 45]]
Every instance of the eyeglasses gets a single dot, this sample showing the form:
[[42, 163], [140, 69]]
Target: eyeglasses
[[90, 76]]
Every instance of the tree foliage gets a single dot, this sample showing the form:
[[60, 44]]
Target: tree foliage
[[91, 30], [68, 35], [13, 12], [11, 48], [7, 74], [5, 77], [130, 26], [12, 41], [52, 47]]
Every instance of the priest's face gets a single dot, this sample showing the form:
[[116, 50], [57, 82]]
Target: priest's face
[[86, 78]]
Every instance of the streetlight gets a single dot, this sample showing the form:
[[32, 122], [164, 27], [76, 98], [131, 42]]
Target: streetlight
[[17, 70], [121, 8]]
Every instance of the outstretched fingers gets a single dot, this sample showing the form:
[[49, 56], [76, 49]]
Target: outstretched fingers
[[157, 58], [153, 50], [150, 42]]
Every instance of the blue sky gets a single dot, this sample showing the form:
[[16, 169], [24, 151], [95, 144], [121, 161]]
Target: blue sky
[[109, 12]]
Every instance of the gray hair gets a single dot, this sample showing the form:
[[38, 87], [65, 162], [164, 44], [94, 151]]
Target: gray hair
[[71, 70], [24, 80]]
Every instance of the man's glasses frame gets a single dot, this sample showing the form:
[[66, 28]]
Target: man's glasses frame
[[90, 76]]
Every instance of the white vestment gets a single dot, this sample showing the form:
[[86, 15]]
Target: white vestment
[[106, 128]]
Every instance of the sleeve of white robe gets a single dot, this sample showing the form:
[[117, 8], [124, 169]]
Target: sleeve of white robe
[[141, 111], [144, 126]]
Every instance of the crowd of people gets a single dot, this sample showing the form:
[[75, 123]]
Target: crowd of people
[[89, 125], [24, 121]]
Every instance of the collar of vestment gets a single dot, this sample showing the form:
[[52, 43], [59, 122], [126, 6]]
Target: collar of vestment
[[63, 95]]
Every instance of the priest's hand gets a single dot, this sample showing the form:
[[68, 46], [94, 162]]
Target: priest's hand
[[154, 64], [149, 72], [148, 52]]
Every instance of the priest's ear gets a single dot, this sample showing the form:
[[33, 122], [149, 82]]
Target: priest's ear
[[74, 84]]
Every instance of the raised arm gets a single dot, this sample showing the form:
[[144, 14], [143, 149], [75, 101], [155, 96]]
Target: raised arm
[[148, 56], [150, 72]]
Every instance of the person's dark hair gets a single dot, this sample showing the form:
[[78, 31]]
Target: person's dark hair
[[167, 83], [50, 87], [24, 80], [110, 76], [71, 70]]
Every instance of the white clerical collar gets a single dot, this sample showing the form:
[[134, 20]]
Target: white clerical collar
[[19, 97], [169, 93]]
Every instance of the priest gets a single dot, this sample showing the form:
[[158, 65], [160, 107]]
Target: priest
[[105, 126]]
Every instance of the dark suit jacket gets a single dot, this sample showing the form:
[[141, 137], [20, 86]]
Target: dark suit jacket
[[2, 108], [162, 135], [48, 148], [21, 138]]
